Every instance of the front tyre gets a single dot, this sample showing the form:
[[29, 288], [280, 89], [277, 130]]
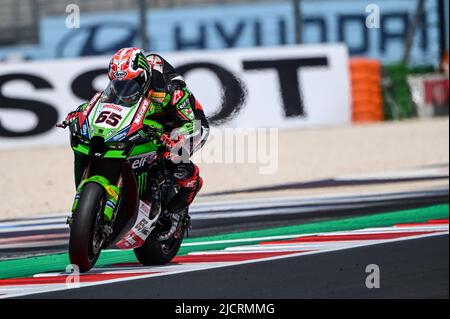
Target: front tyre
[[85, 238]]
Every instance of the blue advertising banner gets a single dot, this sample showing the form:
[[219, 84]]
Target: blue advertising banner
[[239, 26]]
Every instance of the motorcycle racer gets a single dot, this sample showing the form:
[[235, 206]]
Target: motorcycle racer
[[134, 75]]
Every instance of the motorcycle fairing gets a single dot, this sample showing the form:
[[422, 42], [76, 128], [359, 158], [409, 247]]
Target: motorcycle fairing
[[86, 112], [112, 195], [130, 122], [139, 228]]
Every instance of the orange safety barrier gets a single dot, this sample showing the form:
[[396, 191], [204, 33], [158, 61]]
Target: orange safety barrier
[[367, 99]]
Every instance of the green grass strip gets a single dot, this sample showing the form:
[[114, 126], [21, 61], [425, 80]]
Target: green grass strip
[[24, 267]]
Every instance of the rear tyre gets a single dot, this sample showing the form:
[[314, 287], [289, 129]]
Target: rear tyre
[[155, 252], [85, 243]]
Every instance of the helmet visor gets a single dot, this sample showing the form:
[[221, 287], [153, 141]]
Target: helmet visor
[[125, 93]]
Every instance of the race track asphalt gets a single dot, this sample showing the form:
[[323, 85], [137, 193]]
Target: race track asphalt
[[416, 268]]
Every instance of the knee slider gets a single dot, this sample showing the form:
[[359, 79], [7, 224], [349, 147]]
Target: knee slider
[[192, 180]]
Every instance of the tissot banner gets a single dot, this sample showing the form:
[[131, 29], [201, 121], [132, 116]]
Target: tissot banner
[[288, 87]]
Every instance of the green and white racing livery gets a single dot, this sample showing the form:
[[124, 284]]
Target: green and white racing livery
[[122, 146]]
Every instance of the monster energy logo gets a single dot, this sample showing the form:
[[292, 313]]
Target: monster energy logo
[[143, 63], [142, 182]]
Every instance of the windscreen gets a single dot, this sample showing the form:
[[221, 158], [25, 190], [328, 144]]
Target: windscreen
[[124, 93]]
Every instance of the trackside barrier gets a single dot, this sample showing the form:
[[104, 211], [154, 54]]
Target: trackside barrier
[[367, 105]]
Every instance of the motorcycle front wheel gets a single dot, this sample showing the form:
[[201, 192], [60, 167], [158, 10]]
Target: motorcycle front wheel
[[85, 237]]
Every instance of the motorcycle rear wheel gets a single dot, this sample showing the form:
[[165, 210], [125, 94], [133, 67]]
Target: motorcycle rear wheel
[[155, 252], [84, 244]]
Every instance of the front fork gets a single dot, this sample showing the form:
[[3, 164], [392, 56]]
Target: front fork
[[112, 196]]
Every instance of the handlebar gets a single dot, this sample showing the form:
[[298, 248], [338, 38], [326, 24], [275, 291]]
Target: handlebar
[[155, 133], [152, 131]]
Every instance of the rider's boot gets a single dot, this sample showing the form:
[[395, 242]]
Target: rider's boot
[[179, 205]]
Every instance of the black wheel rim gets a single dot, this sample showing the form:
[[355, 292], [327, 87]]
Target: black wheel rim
[[95, 242], [169, 245]]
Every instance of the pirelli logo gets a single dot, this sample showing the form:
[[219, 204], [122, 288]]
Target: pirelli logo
[[159, 94], [158, 97]]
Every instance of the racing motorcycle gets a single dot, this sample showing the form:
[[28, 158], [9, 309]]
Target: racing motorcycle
[[122, 147]]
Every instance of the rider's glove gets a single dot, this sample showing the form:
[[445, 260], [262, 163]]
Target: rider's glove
[[170, 143], [173, 146]]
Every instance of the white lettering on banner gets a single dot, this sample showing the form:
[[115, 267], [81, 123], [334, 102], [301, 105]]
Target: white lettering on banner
[[280, 87]]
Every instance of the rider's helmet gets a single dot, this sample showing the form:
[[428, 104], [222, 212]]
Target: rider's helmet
[[130, 75]]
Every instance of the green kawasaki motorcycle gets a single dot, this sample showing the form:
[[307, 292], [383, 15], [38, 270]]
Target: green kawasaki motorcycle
[[122, 147]]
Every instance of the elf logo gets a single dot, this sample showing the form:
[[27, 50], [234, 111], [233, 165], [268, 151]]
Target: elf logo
[[139, 162]]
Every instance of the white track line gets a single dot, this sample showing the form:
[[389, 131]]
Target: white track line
[[295, 247], [47, 243], [31, 228], [270, 238], [408, 173], [26, 222]]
